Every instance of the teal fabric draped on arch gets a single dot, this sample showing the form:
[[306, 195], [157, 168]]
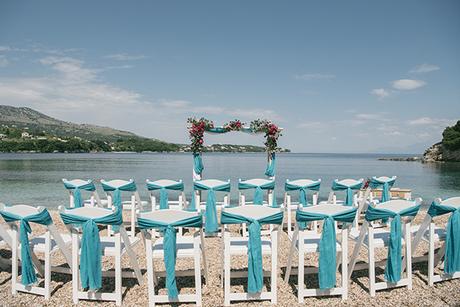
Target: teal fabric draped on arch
[[77, 200], [130, 187], [211, 223], [90, 258], [258, 193], [338, 186], [393, 266], [303, 194], [198, 166], [43, 217], [452, 253], [169, 245], [386, 185], [327, 244], [271, 166], [255, 270], [178, 186]]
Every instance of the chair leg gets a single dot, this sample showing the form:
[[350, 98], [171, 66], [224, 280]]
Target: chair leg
[[408, 256], [344, 264], [203, 254], [150, 274], [118, 269], [274, 273], [75, 276], [371, 261], [47, 265], [197, 256], [431, 256], [14, 262], [301, 273], [226, 270]]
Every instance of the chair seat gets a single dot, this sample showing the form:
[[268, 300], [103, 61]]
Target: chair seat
[[325, 202], [37, 244], [239, 246], [184, 247], [108, 245], [439, 233]]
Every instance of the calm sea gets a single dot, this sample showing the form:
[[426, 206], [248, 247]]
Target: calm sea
[[36, 178]]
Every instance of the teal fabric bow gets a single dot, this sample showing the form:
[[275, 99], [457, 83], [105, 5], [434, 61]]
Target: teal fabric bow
[[77, 200], [258, 193], [217, 130], [169, 245], [452, 254], [327, 243], [198, 163], [337, 186], [151, 186], [28, 276], [386, 185], [271, 166], [90, 258], [255, 269], [130, 187], [393, 267], [211, 223]]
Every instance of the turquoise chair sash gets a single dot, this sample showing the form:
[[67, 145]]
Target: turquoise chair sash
[[211, 224], [303, 197], [337, 186], [169, 246], [327, 243], [77, 200], [90, 259], [198, 164], [393, 267], [130, 187], [258, 193], [28, 276], [452, 255], [255, 271], [386, 185], [271, 166], [179, 186]]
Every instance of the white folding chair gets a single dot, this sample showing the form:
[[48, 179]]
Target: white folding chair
[[383, 186], [165, 186], [258, 185], [302, 186], [255, 247], [164, 248], [76, 186], [400, 212], [350, 186], [115, 246], [211, 205], [433, 234], [48, 243], [306, 243], [114, 188]]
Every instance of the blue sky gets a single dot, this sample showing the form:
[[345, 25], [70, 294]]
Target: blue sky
[[339, 76]]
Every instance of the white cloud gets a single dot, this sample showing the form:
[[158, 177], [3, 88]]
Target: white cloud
[[369, 116], [380, 92], [408, 84], [310, 125], [422, 68], [314, 76], [429, 121], [125, 57], [3, 61], [174, 103], [5, 48]]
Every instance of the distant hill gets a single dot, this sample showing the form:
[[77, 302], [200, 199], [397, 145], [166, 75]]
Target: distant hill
[[448, 149], [23, 129]]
